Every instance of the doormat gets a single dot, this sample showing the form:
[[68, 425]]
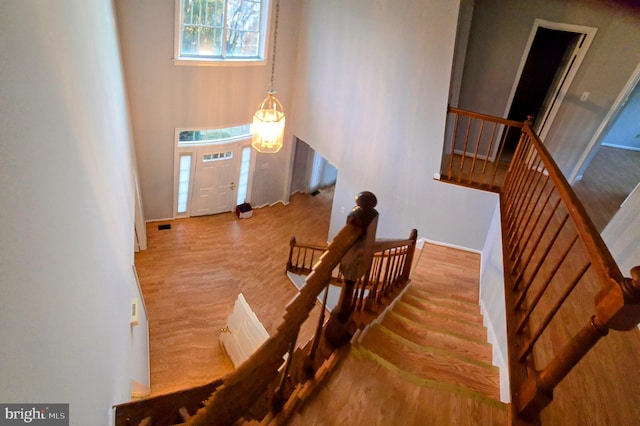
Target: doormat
[[163, 227]]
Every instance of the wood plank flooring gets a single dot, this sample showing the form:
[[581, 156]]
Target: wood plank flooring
[[610, 177], [192, 273]]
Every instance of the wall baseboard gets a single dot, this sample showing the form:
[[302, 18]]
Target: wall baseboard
[[625, 147], [421, 241]]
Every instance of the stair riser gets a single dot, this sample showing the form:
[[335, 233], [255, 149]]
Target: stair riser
[[433, 366], [437, 339], [458, 312], [444, 300], [442, 322]]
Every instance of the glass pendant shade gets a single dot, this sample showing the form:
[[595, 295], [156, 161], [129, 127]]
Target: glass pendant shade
[[268, 125]]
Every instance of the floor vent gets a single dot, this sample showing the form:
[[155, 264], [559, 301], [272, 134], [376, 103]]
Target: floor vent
[[163, 227]]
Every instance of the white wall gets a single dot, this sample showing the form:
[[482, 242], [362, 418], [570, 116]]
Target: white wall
[[492, 302], [371, 97], [622, 233], [499, 33], [625, 129], [67, 209], [164, 96]]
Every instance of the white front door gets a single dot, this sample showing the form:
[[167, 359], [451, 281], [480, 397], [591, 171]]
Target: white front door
[[215, 181]]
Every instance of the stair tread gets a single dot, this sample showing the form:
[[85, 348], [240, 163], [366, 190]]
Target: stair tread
[[442, 299], [441, 321], [433, 365], [438, 338], [435, 306], [379, 395]]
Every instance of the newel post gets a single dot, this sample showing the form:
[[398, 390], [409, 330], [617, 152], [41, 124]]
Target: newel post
[[354, 264], [408, 263], [617, 308]]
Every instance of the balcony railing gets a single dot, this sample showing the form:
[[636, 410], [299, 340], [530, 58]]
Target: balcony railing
[[558, 271]]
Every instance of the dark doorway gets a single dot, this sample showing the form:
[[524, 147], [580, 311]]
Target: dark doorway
[[548, 58]]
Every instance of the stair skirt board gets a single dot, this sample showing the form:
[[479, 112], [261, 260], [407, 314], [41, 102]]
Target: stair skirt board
[[360, 352], [498, 360], [359, 335]]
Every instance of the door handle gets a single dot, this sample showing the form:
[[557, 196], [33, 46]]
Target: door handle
[[232, 186]]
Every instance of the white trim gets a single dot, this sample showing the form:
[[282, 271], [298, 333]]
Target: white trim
[[497, 360], [139, 225], [580, 52], [626, 147], [453, 246], [179, 152], [261, 59], [592, 146], [220, 63], [482, 157], [167, 219]]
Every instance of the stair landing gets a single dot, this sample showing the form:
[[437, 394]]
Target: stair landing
[[427, 362]]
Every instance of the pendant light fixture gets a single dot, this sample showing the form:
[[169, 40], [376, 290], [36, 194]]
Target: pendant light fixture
[[268, 122]]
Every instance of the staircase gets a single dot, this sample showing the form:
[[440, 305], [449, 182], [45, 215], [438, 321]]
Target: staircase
[[426, 362]]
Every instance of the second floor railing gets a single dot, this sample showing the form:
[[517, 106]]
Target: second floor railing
[[564, 291], [474, 151]]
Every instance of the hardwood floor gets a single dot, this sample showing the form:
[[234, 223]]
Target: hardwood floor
[[610, 177], [192, 273]]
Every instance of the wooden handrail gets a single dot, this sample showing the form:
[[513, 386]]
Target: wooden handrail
[[546, 229], [485, 117], [164, 409], [474, 156], [302, 256], [598, 250], [225, 400], [244, 386], [551, 249]]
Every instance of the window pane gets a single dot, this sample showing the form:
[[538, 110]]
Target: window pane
[[183, 182], [187, 137], [243, 25], [243, 181], [190, 43], [207, 24], [242, 43]]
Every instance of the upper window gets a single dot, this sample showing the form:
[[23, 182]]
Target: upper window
[[227, 134], [221, 30]]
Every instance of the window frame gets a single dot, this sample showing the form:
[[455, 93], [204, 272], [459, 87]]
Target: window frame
[[260, 59]]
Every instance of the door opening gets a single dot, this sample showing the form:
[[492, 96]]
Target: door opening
[[550, 61], [311, 171], [216, 178]]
